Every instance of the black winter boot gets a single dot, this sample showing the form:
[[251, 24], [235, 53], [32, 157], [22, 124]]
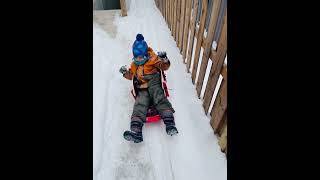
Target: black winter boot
[[136, 137], [171, 130], [135, 133]]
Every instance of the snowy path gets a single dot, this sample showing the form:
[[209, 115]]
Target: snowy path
[[192, 154]]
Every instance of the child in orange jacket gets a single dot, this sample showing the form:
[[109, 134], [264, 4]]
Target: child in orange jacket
[[145, 71]]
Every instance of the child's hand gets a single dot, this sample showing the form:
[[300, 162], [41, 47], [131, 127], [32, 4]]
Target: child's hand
[[165, 60], [123, 69], [162, 54]]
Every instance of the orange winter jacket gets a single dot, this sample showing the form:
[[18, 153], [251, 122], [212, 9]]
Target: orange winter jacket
[[153, 64]]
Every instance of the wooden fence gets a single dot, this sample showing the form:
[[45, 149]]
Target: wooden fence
[[123, 8], [195, 26]]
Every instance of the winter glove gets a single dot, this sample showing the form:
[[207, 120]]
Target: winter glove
[[163, 56], [123, 70]]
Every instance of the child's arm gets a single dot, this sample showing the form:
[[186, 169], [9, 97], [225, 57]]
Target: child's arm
[[128, 75], [162, 62]]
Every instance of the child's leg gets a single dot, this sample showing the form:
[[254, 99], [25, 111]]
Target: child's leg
[[138, 117], [164, 107], [140, 110]]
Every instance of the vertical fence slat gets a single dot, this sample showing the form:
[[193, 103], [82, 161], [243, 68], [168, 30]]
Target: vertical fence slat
[[182, 11], [165, 9], [207, 47], [224, 75], [222, 125], [169, 13], [199, 40], [165, 6], [168, 22], [174, 17], [216, 67], [192, 35], [220, 106], [160, 3], [223, 140], [171, 16], [186, 29], [123, 8], [178, 21]]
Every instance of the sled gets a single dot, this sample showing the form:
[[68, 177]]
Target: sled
[[152, 114]]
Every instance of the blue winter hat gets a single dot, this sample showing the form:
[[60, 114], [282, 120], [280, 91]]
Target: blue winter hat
[[139, 47]]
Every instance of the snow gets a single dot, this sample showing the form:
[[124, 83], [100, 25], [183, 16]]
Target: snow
[[215, 93], [193, 154], [214, 45], [189, 34], [225, 60], [205, 33], [206, 77]]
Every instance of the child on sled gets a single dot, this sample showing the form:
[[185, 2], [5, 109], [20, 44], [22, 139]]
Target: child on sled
[[145, 71]]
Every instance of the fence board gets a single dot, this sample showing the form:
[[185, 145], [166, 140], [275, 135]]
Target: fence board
[[208, 44], [170, 13], [123, 8], [222, 125], [223, 140], [178, 21], [220, 106], [192, 32], [174, 17], [182, 11], [199, 40], [216, 67], [167, 12], [186, 29]]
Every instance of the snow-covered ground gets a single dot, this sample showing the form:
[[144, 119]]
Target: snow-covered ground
[[193, 154]]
